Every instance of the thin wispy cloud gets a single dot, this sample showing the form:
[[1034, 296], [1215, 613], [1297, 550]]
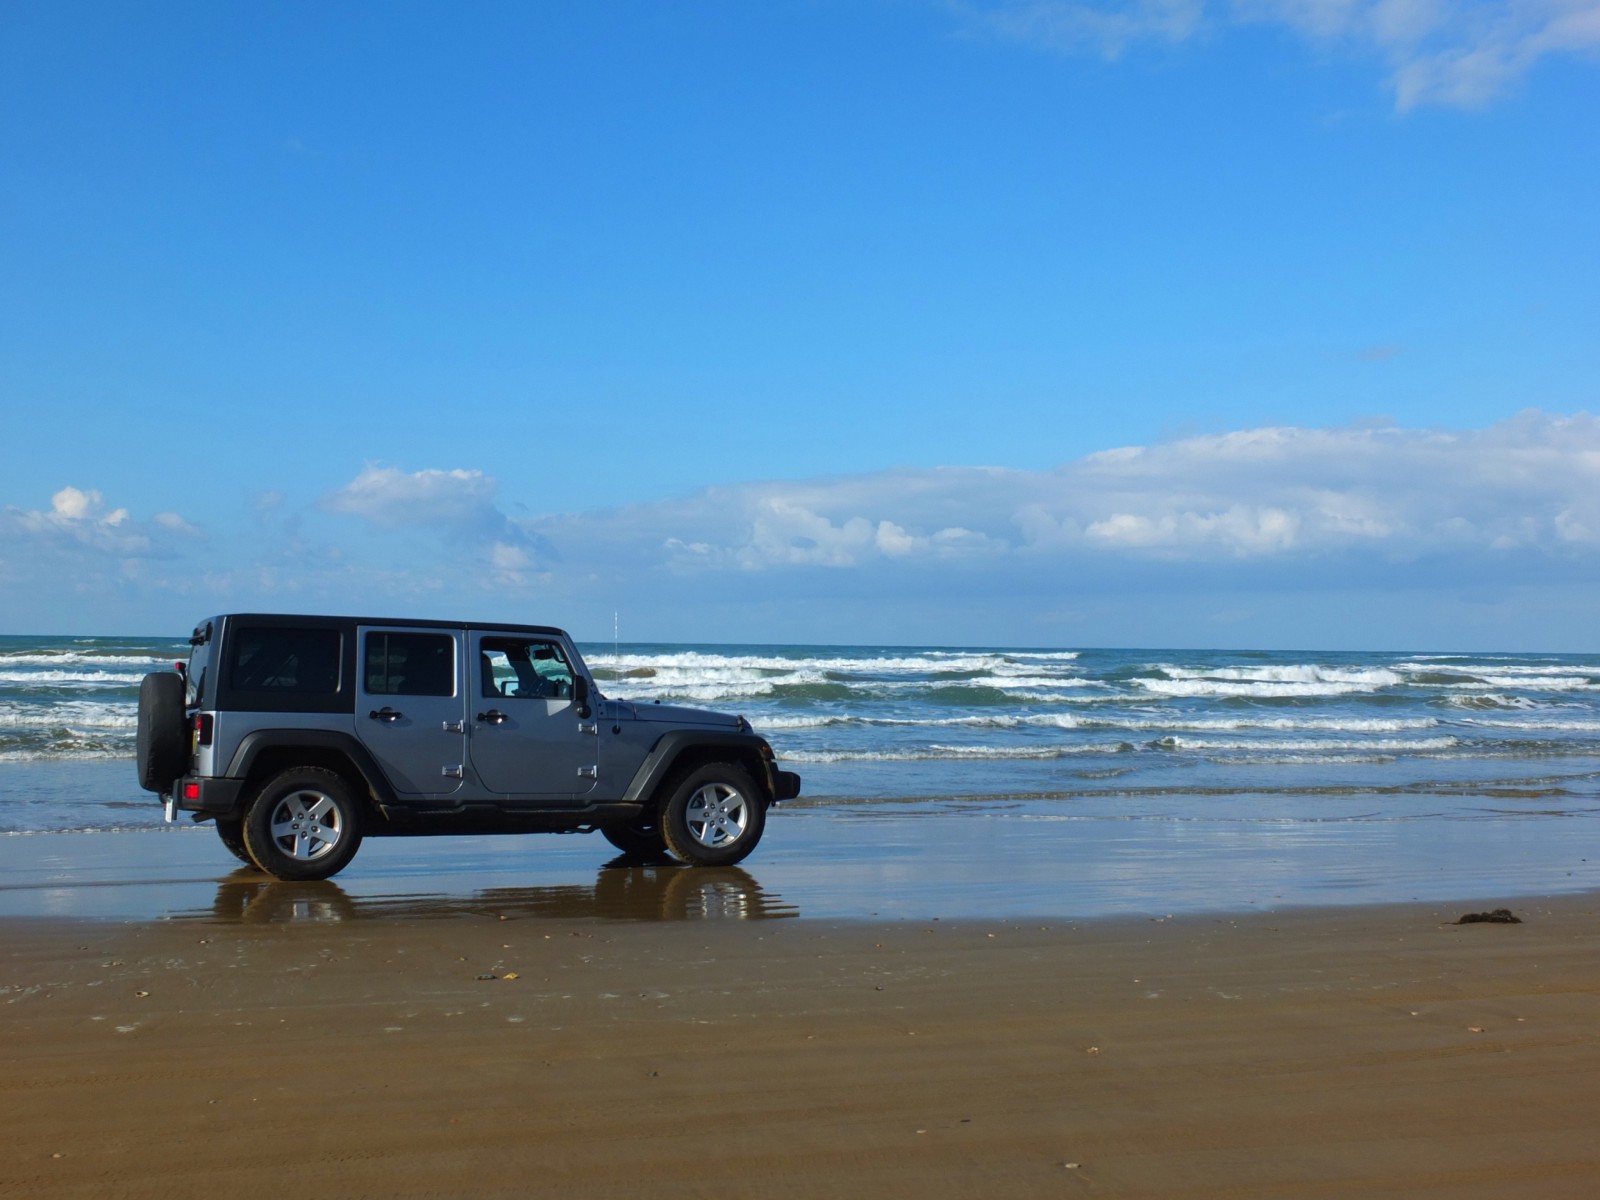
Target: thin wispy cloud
[[458, 504], [1460, 53]]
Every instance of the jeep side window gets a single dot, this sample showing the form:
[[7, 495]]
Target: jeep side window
[[410, 664], [518, 668], [304, 661]]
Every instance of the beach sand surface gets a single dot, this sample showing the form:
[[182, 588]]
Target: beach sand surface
[[1370, 1051]]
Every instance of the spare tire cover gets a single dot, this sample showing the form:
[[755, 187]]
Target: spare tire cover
[[162, 737]]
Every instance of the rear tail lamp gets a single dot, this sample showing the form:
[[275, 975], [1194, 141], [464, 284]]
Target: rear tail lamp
[[202, 728]]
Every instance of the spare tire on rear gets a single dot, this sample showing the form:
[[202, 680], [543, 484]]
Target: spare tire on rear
[[163, 734]]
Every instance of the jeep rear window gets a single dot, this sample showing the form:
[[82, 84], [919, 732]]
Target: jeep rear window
[[410, 664], [199, 659], [303, 662]]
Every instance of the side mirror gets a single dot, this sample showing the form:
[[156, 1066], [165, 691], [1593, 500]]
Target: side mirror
[[580, 695]]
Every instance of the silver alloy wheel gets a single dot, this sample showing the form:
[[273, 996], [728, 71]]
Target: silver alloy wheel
[[717, 815], [307, 824]]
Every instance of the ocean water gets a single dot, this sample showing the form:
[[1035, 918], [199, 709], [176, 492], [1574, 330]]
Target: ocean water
[[937, 780], [1293, 737]]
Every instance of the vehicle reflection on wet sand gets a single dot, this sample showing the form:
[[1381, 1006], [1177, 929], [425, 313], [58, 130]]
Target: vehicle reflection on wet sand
[[625, 889]]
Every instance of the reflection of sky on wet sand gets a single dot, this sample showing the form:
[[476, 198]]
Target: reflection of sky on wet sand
[[995, 858]]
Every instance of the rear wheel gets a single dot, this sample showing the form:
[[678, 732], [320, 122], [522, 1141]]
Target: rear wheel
[[714, 816], [162, 738], [303, 824], [231, 831]]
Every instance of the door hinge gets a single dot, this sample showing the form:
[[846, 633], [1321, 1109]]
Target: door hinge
[[591, 727], [588, 772], [451, 772]]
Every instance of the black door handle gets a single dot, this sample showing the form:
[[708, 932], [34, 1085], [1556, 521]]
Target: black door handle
[[385, 714], [493, 717]]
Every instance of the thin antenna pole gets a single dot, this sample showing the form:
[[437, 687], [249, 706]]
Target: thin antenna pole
[[616, 642]]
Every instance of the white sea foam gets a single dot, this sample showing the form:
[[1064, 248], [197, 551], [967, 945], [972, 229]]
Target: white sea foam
[[1491, 700], [75, 753], [1284, 724], [1507, 670], [1540, 683], [696, 662], [95, 678], [1308, 745], [1201, 688], [1296, 673], [1008, 682], [1072, 721], [71, 714], [643, 691], [954, 753], [1534, 724], [47, 658]]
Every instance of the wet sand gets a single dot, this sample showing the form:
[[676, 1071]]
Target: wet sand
[[281, 1048], [987, 859]]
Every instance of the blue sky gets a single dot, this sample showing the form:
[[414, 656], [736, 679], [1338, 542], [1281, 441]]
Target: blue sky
[[1166, 323]]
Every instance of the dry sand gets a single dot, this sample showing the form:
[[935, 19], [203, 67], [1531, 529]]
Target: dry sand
[[1348, 1052]]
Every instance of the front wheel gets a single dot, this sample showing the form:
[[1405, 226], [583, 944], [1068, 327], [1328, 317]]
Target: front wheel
[[304, 824], [714, 816], [639, 838]]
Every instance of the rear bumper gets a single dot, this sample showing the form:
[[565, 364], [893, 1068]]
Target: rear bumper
[[210, 796], [785, 785]]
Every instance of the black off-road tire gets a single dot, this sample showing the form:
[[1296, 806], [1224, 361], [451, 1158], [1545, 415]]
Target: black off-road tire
[[641, 838], [714, 816], [231, 832], [162, 742], [303, 824]]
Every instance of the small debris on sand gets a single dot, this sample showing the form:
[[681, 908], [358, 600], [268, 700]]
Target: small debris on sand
[[1500, 916]]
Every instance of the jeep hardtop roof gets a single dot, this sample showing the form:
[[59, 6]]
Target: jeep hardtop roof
[[307, 619]]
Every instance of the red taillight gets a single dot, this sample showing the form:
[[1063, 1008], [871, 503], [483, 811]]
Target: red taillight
[[202, 728], [191, 791]]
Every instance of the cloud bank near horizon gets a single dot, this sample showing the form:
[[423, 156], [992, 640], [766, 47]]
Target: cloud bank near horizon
[[1253, 497], [1272, 510], [1457, 53]]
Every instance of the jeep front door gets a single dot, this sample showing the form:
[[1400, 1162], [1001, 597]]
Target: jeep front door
[[527, 738], [411, 708]]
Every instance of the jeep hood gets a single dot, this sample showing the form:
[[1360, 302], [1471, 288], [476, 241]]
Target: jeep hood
[[672, 714]]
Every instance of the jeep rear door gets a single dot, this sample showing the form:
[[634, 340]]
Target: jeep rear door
[[411, 707], [527, 738]]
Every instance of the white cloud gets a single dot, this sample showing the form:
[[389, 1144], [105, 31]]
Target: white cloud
[[177, 524], [78, 520], [1348, 534], [460, 506], [1438, 52], [392, 498], [1276, 495]]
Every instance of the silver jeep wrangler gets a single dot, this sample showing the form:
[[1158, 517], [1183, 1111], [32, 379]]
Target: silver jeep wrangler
[[300, 735]]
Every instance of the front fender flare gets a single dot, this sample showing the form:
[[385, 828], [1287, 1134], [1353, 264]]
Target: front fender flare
[[746, 748]]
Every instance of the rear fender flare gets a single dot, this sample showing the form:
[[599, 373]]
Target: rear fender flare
[[253, 746]]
